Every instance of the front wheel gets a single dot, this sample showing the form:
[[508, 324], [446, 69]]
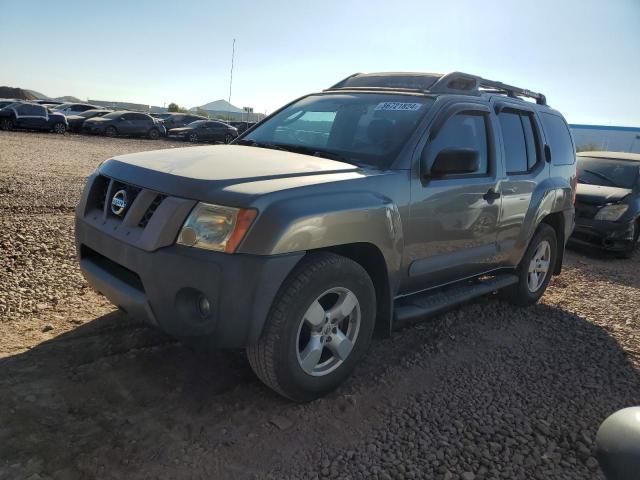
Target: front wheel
[[318, 329], [6, 124], [154, 134], [228, 138], [111, 132], [59, 128], [633, 244], [535, 268], [193, 137]]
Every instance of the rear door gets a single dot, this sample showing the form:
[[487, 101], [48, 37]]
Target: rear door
[[32, 116], [524, 169], [452, 230]]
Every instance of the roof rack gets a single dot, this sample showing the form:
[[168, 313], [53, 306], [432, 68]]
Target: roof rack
[[455, 82]]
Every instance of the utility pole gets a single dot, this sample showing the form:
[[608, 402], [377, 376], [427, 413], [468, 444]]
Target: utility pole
[[233, 54]]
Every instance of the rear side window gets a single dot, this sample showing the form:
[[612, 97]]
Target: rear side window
[[519, 139], [464, 130], [559, 138]]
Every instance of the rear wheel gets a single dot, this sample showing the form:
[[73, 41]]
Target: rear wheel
[[111, 132], [536, 268], [318, 329], [193, 137], [59, 128], [6, 124], [154, 134]]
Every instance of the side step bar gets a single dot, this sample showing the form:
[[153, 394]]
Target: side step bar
[[415, 307]]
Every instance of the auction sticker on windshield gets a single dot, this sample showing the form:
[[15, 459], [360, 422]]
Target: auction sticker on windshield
[[399, 106]]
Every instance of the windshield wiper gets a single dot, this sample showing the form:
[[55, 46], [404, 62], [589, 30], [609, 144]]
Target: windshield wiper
[[604, 177], [253, 143]]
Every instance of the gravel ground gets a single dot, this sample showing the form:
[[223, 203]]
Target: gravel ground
[[483, 391]]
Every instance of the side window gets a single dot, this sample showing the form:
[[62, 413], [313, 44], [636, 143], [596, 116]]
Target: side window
[[128, 116], [464, 130], [515, 148], [560, 142], [532, 138]]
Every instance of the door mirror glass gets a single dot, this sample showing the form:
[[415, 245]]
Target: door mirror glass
[[451, 161]]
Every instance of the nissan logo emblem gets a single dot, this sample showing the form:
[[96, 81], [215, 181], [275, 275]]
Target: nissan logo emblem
[[119, 202]]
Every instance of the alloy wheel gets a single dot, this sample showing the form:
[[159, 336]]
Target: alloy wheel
[[539, 266], [328, 331]]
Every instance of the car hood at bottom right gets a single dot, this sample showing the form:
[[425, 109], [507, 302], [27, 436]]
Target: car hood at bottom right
[[599, 195]]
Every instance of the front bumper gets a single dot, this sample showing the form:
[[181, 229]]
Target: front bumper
[[611, 236], [136, 264]]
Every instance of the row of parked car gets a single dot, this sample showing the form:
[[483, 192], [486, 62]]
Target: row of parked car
[[61, 117]]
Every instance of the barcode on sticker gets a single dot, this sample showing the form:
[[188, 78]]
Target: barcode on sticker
[[399, 106]]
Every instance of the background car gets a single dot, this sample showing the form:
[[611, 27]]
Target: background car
[[608, 201], [74, 108], [205, 131], [177, 120], [132, 124], [31, 116], [242, 126], [48, 102], [76, 121]]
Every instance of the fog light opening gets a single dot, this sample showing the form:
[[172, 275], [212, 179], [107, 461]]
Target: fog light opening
[[204, 306]]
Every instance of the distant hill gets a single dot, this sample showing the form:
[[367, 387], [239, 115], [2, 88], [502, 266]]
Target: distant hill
[[219, 106], [19, 93], [23, 94]]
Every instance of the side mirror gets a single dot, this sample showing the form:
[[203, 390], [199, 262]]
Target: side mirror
[[451, 161]]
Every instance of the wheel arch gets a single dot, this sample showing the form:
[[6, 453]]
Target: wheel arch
[[369, 257]]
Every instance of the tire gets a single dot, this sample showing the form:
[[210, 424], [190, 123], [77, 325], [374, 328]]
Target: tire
[[111, 131], [154, 134], [228, 138], [628, 252], [522, 293], [59, 128], [6, 124], [286, 357], [193, 137]]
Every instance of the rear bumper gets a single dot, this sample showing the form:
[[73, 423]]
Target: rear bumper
[[164, 287], [611, 236]]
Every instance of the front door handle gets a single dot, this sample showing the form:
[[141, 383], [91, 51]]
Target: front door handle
[[491, 195]]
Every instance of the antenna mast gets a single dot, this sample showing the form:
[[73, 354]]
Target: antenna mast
[[233, 54]]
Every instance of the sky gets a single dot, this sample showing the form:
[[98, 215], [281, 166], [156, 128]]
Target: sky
[[584, 55]]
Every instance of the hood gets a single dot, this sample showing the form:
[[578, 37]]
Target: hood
[[97, 120], [181, 130], [228, 174], [598, 194]]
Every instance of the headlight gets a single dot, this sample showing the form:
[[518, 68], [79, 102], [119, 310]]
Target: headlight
[[213, 227], [611, 213]]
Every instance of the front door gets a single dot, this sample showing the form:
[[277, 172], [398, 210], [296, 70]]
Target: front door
[[452, 230]]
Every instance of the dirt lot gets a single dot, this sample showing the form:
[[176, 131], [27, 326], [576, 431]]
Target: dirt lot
[[484, 391]]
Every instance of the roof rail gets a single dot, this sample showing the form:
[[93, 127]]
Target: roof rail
[[456, 81]]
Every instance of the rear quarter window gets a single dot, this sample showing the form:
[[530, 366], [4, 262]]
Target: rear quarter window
[[560, 142]]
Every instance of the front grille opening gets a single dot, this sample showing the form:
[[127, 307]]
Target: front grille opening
[[121, 273], [99, 192], [151, 210]]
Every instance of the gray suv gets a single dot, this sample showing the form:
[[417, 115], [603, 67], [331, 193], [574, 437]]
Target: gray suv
[[379, 201]]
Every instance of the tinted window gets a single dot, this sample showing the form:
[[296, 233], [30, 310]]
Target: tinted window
[[515, 147], [531, 138], [27, 109], [559, 138], [608, 172], [362, 128], [464, 130]]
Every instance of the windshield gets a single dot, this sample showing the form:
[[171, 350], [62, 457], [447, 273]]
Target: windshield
[[608, 172], [362, 128]]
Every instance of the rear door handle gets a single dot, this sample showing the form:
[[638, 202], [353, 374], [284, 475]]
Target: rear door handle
[[491, 195]]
